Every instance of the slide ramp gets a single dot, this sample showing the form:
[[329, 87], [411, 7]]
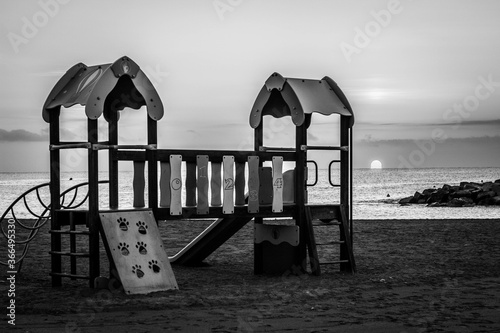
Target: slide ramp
[[209, 240]]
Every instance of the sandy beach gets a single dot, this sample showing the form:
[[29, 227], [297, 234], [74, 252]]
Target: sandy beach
[[412, 276]]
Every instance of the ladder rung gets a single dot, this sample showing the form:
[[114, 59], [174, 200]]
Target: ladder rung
[[71, 254], [70, 232], [334, 262], [331, 243], [85, 277]]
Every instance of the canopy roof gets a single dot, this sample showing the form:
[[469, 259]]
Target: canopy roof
[[282, 96], [104, 88]]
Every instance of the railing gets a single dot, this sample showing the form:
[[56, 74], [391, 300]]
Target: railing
[[215, 179], [69, 200]]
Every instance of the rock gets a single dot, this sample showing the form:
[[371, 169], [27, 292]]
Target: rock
[[438, 196], [460, 202], [405, 201], [466, 194], [468, 202], [455, 202], [461, 194], [437, 204], [484, 195], [496, 188], [487, 186], [416, 197], [473, 186], [428, 191], [474, 194], [486, 201]]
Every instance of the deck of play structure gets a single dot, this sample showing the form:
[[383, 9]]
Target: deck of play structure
[[232, 187]]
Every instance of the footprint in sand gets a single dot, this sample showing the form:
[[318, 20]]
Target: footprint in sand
[[123, 247], [153, 264], [136, 269], [122, 223], [141, 246], [143, 228]]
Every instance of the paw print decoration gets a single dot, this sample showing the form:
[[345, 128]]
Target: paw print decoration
[[136, 269], [141, 246], [142, 227], [123, 247], [122, 223], [153, 265]]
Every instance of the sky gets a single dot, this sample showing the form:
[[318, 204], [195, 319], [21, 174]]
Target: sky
[[422, 77]]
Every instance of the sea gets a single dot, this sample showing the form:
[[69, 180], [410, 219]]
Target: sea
[[376, 192]]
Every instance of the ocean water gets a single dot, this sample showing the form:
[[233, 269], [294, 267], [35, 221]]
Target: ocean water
[[375, 192]]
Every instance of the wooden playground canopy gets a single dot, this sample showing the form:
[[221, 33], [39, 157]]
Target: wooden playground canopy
[[109, 88]]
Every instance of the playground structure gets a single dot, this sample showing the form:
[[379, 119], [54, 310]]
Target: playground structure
[[109, 88]]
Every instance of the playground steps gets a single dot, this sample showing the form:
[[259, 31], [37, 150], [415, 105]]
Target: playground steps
[[68, 221], [329, 216]]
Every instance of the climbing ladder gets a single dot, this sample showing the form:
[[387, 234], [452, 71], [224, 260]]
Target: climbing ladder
[[69, 220], [323, 219], [329, 216], [69, 228]]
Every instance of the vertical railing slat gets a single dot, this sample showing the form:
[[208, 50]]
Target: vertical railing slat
[[228, 185], [215, 184], [190, 184], [253, 184], [175, 185], [277, 184], [289, 186], [239, 184], [139, 184], [165, 184], [202, 184], [265, 186]]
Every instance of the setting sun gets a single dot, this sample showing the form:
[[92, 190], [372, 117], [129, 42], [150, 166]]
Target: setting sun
[[376, 164]]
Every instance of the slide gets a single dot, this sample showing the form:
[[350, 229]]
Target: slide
[[209, 240]]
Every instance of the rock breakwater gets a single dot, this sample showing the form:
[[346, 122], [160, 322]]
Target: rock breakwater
[[467, 194]]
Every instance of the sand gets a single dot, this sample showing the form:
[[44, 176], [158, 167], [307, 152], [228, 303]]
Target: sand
[[412, 276]]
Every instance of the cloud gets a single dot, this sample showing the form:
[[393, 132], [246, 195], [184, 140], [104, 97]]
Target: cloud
[[486, 122], [368, 139], [20, 135], [462, 122]]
